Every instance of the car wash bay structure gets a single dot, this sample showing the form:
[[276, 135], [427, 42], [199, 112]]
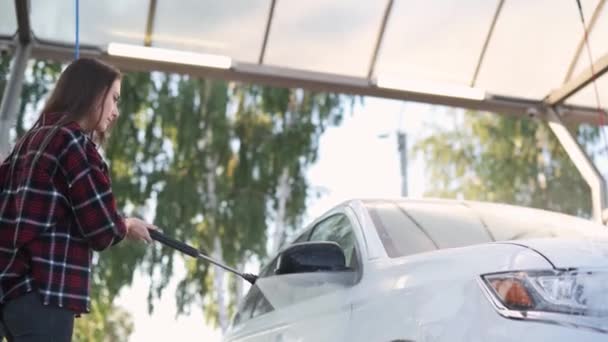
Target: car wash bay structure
[[520, 58]]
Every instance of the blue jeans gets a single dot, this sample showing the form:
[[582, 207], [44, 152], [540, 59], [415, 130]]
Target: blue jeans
[[26, 319]]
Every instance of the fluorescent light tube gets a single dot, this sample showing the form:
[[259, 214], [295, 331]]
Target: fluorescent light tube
[[171, 56], [431, 88]]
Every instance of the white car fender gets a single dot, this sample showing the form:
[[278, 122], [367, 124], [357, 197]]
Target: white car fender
[[428, 296]]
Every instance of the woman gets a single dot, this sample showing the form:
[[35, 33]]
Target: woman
[[56, 207]]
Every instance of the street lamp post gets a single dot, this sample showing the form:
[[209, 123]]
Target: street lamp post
[[402, 147]]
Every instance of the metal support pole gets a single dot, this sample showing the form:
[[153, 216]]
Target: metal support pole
[[402, 146], [582, 162], [12, 94]]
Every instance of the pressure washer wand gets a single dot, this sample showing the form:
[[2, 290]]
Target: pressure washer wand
[[195, 253]]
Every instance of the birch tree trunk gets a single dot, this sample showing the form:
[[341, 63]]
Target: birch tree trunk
[[283, 192]]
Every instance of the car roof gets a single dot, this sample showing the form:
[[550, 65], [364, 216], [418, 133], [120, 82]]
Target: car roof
[[454, 223], [476, 206]]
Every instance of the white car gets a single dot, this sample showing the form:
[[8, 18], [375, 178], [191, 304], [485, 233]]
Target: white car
[[433, 270]]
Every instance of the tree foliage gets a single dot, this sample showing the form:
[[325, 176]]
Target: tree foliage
[[496, 158], [178, 133]]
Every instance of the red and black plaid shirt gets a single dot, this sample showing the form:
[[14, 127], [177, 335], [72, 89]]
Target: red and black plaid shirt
[[53, 215]]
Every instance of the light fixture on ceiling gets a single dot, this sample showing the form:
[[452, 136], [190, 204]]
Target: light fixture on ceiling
[[431, 88], [170, 56]]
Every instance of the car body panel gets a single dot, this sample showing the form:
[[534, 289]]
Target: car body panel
[[302, 304], [432, 296], [433, 290], [569, 253]]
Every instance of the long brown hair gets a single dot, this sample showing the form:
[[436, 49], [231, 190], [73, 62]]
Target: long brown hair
[[82, 86]]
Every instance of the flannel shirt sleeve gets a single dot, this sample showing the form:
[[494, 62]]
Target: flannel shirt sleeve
[[91, 195]]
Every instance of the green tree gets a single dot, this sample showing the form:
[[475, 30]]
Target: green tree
[[210, 154], [106, 322], [491, 157]]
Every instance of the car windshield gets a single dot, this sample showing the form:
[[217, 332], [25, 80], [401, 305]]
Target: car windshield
[[410, 227]]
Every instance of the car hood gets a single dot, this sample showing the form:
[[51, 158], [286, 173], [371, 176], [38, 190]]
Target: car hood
[[570, 253]]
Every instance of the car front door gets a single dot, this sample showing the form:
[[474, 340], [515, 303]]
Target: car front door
[[303, 306]]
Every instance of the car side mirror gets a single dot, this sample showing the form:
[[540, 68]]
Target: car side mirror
[[311, 257]]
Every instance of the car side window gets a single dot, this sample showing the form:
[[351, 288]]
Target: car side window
[[269, 269], [244, 312], [338, 228], [303, 237], [254, 304], [262, 306]]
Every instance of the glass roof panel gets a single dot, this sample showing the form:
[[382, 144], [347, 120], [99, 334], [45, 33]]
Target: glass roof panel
[[532, 47], [327, 36], [8, 20], [233, 28], [439, 43], [598, 39], [100, 23], [529, 54], [598, 43], [586, 96]]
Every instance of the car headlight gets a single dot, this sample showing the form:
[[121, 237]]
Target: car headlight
[[575, 297]]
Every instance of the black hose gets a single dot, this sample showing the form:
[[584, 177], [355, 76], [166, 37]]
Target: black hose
[[170, 242], [195, 253]]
